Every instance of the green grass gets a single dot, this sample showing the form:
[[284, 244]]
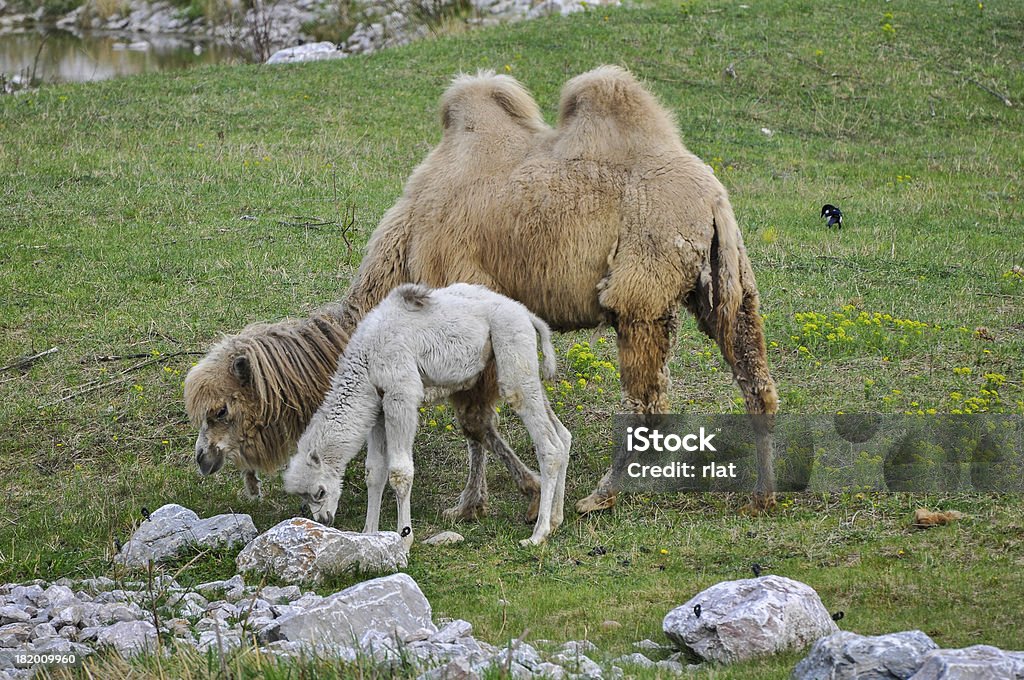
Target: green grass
[[149, 215]]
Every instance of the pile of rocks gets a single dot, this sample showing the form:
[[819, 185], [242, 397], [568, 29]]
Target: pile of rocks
[[281, 23], [386, 621], [390, 24]]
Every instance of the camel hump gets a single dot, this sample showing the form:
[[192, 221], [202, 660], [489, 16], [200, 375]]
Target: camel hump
[[611, 99], [472, 100], [413, 296]]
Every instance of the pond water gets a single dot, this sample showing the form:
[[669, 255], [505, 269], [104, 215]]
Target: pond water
[[59, 56]]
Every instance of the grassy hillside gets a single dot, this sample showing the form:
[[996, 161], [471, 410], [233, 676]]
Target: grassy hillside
[[148, 215]]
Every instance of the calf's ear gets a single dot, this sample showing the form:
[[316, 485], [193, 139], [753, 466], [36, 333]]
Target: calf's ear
[[242, 370]]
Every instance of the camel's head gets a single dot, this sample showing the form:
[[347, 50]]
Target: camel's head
[[310, 476], [223, 400]]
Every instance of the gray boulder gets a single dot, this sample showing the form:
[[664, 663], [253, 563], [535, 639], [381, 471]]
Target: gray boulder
[[849, 656], [979, 661], [393, 605], [308, 52], [173, 530], [301, 550], [748, 618]]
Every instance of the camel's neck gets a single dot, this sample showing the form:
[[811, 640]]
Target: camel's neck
[[349, 413], [383, 267]]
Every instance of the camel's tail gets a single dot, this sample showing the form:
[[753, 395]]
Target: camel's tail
[[550, 363], [728, 261]]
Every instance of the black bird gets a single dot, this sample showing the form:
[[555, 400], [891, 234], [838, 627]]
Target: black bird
[[838, 616], [834, 215], [145, 513], [696, 610], [756, 568]]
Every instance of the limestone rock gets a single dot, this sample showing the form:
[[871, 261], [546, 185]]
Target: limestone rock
[[129, 637], [979, 661], [849, 656], [309, 52], [390, 604], [748, 618], [444, 538], [173, 530], [301, 550]]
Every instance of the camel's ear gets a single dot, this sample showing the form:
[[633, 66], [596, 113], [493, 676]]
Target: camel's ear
[[241, 369]]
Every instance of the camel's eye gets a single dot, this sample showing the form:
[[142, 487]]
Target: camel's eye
[[222, 413], [321, 492]]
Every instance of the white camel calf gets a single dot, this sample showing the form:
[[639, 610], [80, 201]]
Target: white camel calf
[[418, 340]]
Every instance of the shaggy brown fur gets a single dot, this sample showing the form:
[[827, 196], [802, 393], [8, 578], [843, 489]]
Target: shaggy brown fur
[[605, 218], [253, 393]]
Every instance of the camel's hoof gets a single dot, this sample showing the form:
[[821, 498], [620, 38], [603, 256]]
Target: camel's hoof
[[760, 504], [596, 502], [529, 542], [248, 494], [469, 512]]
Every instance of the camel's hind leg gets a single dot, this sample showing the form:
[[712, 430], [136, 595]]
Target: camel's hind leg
[[749, 361], [644, 350], [519, 383], [475, 411]]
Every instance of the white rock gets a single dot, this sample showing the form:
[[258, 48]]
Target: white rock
[[979, 661], [444, 538], [172, 530], [308, 52], [301, 550], [452, 631], [578, 647], [26, 595], [15, 634], [388, 604], [12, 614], [634, 659], [43, 630], [128, 637], [278, 595], [579, 665], [54, 645], [650, 646], [748, 618], [219, 640], [56, 595], [848, 656]]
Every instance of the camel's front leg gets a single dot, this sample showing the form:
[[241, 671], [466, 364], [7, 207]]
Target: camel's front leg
[[643, 357], [400, 430], [376, 475]]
